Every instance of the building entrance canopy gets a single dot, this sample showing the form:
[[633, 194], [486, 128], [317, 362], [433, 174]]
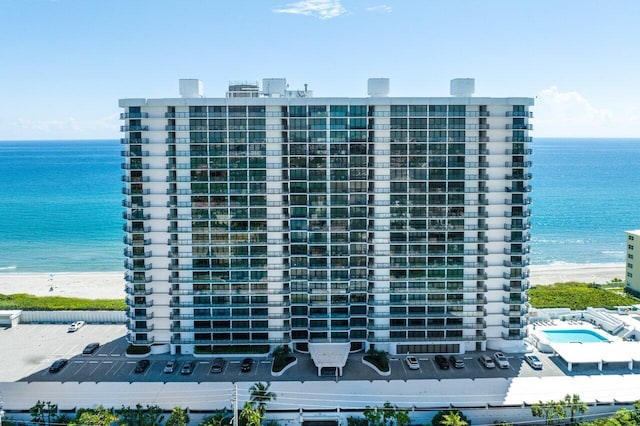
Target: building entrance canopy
[[332, 355]]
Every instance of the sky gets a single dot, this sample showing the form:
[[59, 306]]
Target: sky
[[65, 63]]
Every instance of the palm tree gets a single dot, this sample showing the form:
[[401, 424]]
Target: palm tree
[[453, 418], [260, 396]]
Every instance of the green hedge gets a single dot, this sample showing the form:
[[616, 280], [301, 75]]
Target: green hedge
[[576, 295], [28, 302], [138, 350]]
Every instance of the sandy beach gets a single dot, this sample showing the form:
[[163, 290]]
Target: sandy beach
[[87, 285], [110, 285]]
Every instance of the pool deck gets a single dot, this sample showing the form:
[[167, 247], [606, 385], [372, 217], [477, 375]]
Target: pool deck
[[615, 350]]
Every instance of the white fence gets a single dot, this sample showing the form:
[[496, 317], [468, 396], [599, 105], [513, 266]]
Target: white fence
[[62, 317]]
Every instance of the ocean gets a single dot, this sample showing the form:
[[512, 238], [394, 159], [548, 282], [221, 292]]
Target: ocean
[[61, 211]]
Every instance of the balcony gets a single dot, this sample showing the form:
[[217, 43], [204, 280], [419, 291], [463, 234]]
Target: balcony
[[527, 114], [518, 139], [132, 255], [133, 304], [130, 279], [521, 264], [185, 341], [138, 292], [131, 267], [126, 115], [518, 164], [518, 127], [126, 166], [509, 276], [509, 336], [524, 201], [514, 313], [148, 341], [134, 128], [522, 176], [515, 289], [518, 151], [520, 324], [131, 230], [130, 216], [134, 154], [130, 205], [127, 141], [509, 300], [520, 239], [136, 242], [139, 317], [147, 329]]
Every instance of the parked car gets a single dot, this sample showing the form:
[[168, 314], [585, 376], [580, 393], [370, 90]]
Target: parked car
[[75, 326], [187, 368], [487, 361], [170, 366], [533, 361], [501, 360], [412, 363], [217, 365], [246, 364], [90, 348], [141, 366], [442, 362], [58, 365], [456, 361]]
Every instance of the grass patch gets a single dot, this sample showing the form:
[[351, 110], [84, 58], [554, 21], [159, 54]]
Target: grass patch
[[577, 296], [28, 302]]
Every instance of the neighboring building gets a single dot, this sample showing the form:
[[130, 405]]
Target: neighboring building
[[633, 261], [328, 224]]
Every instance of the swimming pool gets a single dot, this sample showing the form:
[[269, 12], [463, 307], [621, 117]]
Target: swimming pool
[[568, 336]]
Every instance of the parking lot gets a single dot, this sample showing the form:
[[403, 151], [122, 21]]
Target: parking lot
[[31, 349]]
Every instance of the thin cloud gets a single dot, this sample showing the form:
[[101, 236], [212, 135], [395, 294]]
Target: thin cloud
[[570, 114], [322, 9], [382, 8]]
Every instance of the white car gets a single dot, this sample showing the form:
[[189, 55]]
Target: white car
[[412, 363], [75, 326], [487, 361], [533, 361], [501, 360]]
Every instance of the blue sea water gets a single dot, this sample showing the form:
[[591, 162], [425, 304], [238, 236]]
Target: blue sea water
[[61, 211]]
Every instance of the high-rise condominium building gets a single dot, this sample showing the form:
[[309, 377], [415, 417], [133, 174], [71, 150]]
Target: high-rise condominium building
[[272, 217], [633, 267]]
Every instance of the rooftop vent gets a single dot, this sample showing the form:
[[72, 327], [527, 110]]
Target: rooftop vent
[[191, 88], [378, 87], [463, 87]]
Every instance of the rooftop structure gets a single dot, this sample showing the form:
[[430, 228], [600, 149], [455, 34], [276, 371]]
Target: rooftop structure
[[272, 217]]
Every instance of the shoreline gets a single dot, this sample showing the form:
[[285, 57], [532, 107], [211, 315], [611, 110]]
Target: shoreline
[[111, 285]]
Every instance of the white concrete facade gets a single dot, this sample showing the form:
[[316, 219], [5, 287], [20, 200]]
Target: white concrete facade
[[633, 261], [394, 223]]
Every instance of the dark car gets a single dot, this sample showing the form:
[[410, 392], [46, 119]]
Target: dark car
[[246, 364], [90, 348], [442, 362], [58, 365], [187, 368], [217, 365], [141, 366]]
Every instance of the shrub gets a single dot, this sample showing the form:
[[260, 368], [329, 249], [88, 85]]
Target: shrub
[[281, 358], [378, 358], [138, 350], [241, 349], [576, 296], [28, 302]]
